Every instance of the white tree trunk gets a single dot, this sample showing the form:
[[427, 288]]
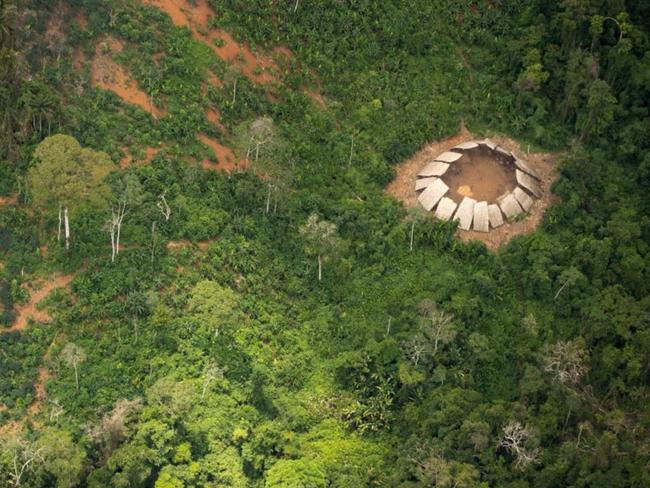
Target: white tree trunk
[[112, 232], [412, 230], [320, 268], [153, 239], [58, 235], [67, 229], [268, 199], [76, 376], [234, 91]]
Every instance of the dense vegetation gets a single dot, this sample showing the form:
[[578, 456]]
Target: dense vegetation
[[288, 337]]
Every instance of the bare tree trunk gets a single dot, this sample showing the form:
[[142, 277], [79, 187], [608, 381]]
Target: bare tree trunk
[[560, 290], [412, 231], [76, 376], [112, 232], [58, 235], [268, 199], [67, 229], [206, 383], [351, 151], [153, 239], [234, 91], [295, 7], [119, 230], [320, 268]]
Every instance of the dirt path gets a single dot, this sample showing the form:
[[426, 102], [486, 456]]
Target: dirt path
[[24, 312], [402, 187]]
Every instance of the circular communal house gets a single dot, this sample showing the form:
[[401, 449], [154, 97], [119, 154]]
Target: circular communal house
[[477, 183]]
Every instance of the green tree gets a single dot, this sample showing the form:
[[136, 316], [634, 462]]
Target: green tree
[[296, 473], [215, 306], [65, 175], [321, 239], [62, 457]]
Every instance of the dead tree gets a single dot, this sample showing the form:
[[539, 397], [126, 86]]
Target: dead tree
[[566, 362], [515, 440], [162, 204]]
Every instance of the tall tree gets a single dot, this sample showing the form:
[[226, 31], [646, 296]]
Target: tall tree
[[127, 193], [65, 175], [266, 152], [321, 239], [73, 356]]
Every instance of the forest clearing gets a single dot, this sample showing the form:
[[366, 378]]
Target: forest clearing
[[324, 244]]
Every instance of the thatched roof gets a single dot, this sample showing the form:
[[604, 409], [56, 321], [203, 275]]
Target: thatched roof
[[466, 145], [495, 215], [422, 183], [481, 220], [509, 206], [522, 197], [525, 167], [449, 157], [432, 194], [465, 213], [435, 168], [445, 208], [528, 183]]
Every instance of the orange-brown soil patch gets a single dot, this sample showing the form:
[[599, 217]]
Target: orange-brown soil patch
[[78, 59], [128, 159], [24, 312], [480, 176], [11, 200], [150, 153], [257, 68], [214, 81], [225, 158], [202, 245], [82, 21], [316, 97], [214, 118], [403, 186], [109, 75]]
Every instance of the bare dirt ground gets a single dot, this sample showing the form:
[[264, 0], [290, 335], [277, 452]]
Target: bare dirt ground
[[479, 175], [110, 75], [11, 200], [29, 309], [402, 187], [128, 158], [256, 67], [202, 245], [226, 159]]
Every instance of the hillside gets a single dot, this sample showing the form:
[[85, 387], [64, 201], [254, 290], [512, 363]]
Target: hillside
[[324, 244]]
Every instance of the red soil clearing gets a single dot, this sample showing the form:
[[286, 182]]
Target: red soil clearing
[[24, 312], [127, 160], [196, 17], [109, 75], [8, 200], [214, 118], [226, 159], [480, 176]]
